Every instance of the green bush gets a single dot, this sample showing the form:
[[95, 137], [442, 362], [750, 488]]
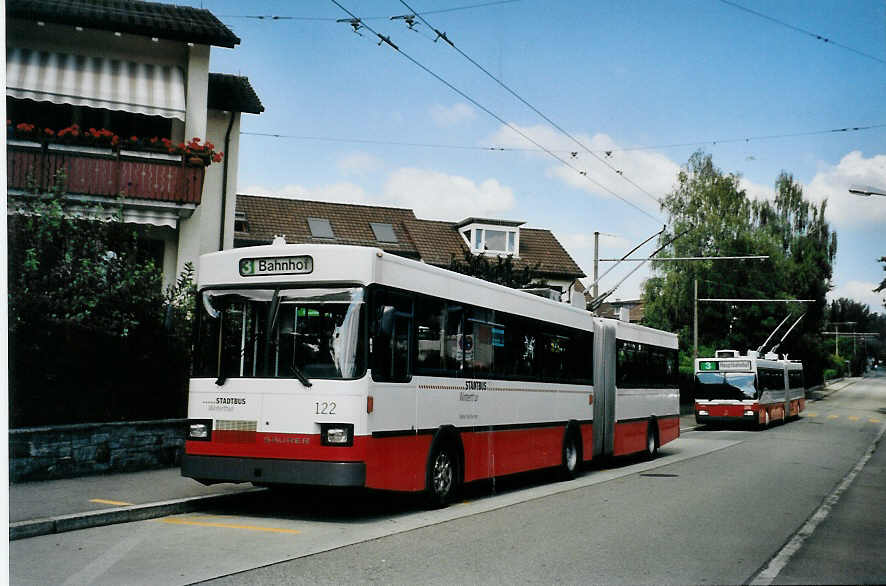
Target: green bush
[[92, 335]]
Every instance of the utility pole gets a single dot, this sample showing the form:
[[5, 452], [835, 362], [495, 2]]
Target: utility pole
[[596, 262], [695, 321]]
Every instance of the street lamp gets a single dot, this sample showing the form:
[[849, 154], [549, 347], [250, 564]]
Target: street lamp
[[866, 190]]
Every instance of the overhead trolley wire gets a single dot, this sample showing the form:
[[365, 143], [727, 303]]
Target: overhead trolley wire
[[816, 36], [328, 19], [387, 40], [608, 151], [525, 102]]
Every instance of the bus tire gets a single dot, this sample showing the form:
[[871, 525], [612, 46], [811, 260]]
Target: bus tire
[[443, 477], [651, 450], [570, 463], [765, 423]]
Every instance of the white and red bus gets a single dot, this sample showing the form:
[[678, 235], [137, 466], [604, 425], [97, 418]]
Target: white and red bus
[[342, 365], [734, 388]]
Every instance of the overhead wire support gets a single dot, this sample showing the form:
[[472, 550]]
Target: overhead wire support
[[598, 301], [625, 257], [494, 115], [530, 106]]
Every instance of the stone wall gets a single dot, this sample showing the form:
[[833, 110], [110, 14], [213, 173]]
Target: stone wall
[[64, 451]]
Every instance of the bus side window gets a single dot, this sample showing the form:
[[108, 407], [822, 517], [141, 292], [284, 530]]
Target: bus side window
[[392, 342]]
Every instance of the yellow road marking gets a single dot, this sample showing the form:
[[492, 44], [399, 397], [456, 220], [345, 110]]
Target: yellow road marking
[[107, 502], [228, 526], [853, 418], [832, 416], [874, 420], [812, 415]]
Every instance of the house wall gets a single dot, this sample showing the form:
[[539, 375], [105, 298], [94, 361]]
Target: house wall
[[199, 233]]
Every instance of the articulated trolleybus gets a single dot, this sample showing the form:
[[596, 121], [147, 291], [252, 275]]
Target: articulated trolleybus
[[333, 365], [735, 388]]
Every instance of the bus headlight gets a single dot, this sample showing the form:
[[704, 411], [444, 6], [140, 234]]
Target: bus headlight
[[749, 413], [702, 412], [200, 430], [337, 434]]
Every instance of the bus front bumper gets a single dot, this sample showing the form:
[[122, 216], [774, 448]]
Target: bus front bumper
[[214, 469]]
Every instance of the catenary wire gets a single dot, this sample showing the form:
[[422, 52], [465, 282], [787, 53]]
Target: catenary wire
[[816, 36], [424, 68], [526, 149], [328, 19], [528, 105]]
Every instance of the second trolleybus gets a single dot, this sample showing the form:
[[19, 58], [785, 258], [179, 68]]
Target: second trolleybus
[[334, 365], [746, 388]]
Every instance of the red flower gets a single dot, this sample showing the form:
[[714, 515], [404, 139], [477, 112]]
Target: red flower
[[49, 132]]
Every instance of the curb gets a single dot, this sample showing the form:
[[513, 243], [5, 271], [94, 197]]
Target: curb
[[76, 521]]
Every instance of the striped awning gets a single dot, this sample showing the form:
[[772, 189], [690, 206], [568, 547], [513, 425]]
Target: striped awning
[[96, 82]]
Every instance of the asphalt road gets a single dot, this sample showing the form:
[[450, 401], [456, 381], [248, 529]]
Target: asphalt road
[[718, 506]]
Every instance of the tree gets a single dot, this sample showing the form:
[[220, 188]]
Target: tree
[[92, 335], [722, 221], [502, 271], [882, 285]]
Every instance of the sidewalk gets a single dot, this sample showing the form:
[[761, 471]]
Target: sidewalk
[[55, 506]]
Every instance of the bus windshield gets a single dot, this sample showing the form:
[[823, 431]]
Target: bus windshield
[[281, 333], [731, 385]]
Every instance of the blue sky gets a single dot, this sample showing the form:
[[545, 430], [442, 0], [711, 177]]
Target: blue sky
[[616, 75]]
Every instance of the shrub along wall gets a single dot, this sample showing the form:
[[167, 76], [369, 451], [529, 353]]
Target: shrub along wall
[[71, 374]]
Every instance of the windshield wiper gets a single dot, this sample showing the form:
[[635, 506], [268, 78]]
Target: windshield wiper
[[300, 375]]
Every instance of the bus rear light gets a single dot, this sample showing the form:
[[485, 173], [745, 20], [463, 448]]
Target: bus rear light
[[336, 434], [370, 404]]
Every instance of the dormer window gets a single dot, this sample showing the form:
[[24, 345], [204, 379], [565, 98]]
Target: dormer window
[[486, 236]]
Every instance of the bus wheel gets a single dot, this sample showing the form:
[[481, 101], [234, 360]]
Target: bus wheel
[[442, 478], [571, 462], [765, 423], [651, 443]]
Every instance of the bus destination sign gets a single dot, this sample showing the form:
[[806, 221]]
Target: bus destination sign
[[276, 265], [735, 365]]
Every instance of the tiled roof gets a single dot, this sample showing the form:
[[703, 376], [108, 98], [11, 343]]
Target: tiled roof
[[541, 246], [269, 216], [232, 93], [150, 19], [435, 242], [636, 309]]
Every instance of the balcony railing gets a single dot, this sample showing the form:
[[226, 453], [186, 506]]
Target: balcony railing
[[102, 172]]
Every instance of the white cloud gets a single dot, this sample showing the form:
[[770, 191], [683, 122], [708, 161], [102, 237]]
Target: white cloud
[[653, 172], [861, 292], [833, 182], [452, 115], [341, 192], [755, 191], [438, 196], [359, 163], [431, 194], [609, 243]]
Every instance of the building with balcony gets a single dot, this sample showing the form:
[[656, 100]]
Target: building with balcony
[[398, 231], [111, 92]]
